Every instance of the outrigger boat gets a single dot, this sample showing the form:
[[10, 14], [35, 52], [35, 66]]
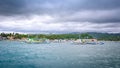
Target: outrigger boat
[[87, 41], [36, 40], [40, 41]]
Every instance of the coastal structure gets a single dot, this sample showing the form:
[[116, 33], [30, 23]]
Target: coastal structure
[[2, 38], [10, 38]]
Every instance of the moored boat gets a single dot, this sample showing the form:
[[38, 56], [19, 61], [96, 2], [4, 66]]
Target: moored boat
[[40, 41]]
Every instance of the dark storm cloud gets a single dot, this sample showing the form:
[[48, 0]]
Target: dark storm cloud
[[11, 7], [98, 4], [63, 8], [54, 6], [62, 11], [98, 16]]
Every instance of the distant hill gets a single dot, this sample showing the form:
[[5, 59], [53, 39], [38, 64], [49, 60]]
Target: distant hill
[[102, 36]]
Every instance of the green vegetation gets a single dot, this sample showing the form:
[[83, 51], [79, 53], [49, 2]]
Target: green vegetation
[[106, 36], [99, 36], [48, 36]]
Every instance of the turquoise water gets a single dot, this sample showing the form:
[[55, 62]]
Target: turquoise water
[[15, 54]]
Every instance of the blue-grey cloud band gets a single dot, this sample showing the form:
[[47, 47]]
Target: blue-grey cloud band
[[60, 15]]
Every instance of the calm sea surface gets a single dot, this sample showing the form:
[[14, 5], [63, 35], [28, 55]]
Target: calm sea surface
[[15, 54]]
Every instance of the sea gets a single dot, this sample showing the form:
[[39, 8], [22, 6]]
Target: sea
[[16, 54]]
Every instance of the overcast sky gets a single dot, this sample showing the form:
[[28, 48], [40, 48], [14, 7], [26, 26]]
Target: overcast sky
[[60, 15]]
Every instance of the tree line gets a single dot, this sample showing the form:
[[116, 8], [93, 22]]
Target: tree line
[[99, 36], [48, 36]]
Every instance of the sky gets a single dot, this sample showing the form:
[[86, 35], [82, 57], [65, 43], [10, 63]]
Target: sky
[[60, 16]]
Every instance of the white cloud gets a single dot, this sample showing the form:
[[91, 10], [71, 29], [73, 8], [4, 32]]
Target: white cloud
[[37, 23]]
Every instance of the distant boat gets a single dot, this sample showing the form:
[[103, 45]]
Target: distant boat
[[87, 41], [40, 41], [78, 41], [36, 40], [101, 43]]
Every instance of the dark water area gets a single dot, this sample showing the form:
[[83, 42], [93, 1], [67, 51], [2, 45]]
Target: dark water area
[[15, 54]]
